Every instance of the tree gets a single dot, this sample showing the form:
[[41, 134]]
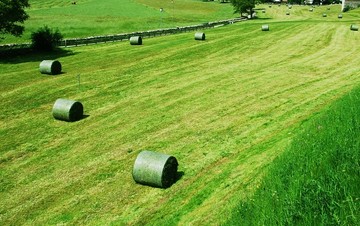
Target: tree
[[45, 39], [244, 6], [12, 12]]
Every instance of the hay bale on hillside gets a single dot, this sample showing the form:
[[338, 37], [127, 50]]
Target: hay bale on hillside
[[324, 15], [155, 169], [51, 67], [67, 110], [265, 27], [340, 16], [354, 27], [200, 36], [136, 40]]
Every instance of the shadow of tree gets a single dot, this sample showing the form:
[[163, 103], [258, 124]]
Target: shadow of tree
[[16, 56]]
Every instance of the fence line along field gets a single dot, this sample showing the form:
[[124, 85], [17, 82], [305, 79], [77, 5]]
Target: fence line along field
[[225, 107]]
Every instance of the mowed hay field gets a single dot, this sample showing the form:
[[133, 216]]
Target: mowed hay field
[[224, 107]]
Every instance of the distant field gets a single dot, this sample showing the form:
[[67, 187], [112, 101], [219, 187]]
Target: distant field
[[94, 17], [224, 107]]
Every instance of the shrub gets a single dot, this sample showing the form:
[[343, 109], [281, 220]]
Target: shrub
[[45, 39]]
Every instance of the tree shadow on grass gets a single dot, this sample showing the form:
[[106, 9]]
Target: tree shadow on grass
[[16, 56]]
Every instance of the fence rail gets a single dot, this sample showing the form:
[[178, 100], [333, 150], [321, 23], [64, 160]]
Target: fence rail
[[126, 36]]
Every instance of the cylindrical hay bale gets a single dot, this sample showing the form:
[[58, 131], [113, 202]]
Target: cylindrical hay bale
[[51, 67], [311, 9], [155, 169], [324, 15], [67, 110], [354, 27], [265, 27], [136, 40], [340, 16], [199, 36]]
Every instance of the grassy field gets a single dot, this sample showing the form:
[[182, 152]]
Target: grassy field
[[316, 181], [224, 107], [93, 17]]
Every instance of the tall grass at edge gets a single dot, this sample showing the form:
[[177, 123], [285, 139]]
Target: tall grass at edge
[[317, 180]]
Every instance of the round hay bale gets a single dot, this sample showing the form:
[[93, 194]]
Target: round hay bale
[[354, 27], [136, 40], [67, 110], [199, 36], [340, 16], [265, 27], [51, 67], [324, 15], [311, 9], [287, 13], [155, 169]]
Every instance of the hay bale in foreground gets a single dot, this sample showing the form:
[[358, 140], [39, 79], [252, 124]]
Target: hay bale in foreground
[[67, 110], [265, 27], [136, 40], [200, 36], [354, 27], [155, 169], [51, 67]]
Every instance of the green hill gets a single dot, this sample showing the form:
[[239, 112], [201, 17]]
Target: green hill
[[224, 107]]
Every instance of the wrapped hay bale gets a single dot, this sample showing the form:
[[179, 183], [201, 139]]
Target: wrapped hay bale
[[340, 16], [265, 27], [199, 36], [136, 40], [67, 110], [354, 27], [155, 169], [51, 67]]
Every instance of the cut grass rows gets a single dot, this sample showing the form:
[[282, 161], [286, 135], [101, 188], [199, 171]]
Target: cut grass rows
[[224, 114]]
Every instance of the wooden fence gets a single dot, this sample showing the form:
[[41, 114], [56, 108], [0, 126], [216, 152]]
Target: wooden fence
[[126, 36]]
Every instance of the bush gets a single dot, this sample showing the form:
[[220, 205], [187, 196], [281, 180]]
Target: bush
[[45, 39]]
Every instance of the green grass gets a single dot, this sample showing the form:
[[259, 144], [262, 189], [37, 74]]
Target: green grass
[[224, 107], [316, 181], [94, 17]]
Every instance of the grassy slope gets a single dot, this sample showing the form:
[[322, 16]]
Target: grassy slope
[[93, 17], [316, 181], [225, 108]]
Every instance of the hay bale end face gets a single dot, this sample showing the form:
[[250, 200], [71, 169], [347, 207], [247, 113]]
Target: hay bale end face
[[265, 27], [51, 67], [354, 27], [199, 36], [136, 40], [67, 110], [155, 169]]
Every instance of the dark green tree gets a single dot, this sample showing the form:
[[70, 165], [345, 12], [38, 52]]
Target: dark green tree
[[12, 15], [46, 39], [244, 6]]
